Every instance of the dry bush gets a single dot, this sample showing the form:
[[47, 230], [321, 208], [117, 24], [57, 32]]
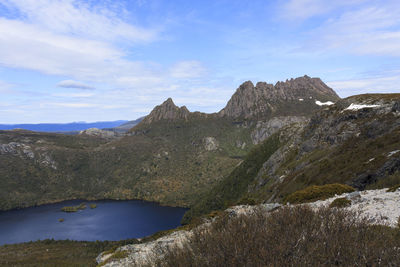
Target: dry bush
[[295, 236]]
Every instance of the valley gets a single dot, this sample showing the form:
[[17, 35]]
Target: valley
[[269, 142]]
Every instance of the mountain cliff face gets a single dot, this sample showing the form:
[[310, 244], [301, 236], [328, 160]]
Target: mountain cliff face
[[294, 97], [173, 156], [355, 142], [167, 111]]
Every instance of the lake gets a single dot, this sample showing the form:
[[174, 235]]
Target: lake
[[111, 220]]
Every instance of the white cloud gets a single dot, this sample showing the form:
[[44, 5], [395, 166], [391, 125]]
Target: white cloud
[[387, 84], [74, 84], [69, 38], [73, 95], [369, 29], [27, 46], [88, 42], [5, 87], [70, 105], [80, 19], [188, 69], [305, 9]]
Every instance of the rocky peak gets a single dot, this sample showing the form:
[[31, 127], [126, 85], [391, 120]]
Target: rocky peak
[[167, 111], [283, 98]]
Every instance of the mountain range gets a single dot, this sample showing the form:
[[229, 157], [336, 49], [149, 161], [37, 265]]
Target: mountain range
[[267, 142], [65, 127]]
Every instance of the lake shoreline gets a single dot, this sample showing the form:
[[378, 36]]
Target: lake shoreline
[[91, 199], [111, 220]]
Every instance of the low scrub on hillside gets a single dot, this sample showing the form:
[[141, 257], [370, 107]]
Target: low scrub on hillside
[[51, 252], [233, 187], [296, 236], [315, 192], [393, 188], [340, 203]]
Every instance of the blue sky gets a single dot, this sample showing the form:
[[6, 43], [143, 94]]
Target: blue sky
[[67, 60]]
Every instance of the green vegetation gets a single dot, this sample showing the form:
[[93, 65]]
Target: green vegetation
[[295, 236], [358, 160], [390, 181], [164, 162], [340, 202], [314, 193], [70, 209], [393, 188], [93, 206], [61, 219], [115, 256], [247, 201], [233, 187], [81, 206], [56, 253]]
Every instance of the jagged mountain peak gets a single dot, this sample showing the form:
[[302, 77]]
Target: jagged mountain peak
[[284, 98], [169, 102], [167, 111]]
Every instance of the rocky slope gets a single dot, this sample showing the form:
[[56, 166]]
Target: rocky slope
[[378, 206], [173, 156], [354, 141]]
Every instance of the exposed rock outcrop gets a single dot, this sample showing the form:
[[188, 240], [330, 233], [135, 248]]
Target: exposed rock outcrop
[[210, 143], [265, 129], [25, 151], [167, 111], [99, 133], [293, 97], [141, 254], [379, 206]]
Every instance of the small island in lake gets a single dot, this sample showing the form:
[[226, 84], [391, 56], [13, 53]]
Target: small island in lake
[[81, 206], [93, 206]]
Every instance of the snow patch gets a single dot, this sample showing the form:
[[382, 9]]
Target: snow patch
[[359, 106], [328, 103], [393, 152]]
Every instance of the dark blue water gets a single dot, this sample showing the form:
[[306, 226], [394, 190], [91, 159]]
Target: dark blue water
[[111, 220]]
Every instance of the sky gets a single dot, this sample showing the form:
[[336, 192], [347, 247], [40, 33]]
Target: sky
[[103, 60]]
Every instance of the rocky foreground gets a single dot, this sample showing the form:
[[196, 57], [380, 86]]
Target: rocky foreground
[[379, 206]]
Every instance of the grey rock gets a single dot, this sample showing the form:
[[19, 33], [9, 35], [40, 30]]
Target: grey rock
[[353, 195], [99, 133], [166, 111], [265, 100], [240, 144], [265, 129], [210, 143]]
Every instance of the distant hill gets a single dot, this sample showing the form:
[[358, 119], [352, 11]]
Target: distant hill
[[63, 127], [125, 127]]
